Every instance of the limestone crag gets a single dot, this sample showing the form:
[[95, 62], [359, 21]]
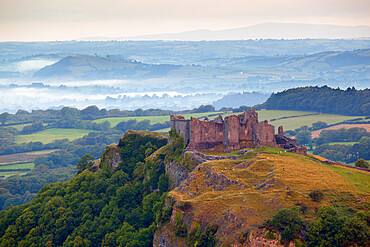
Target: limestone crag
[[177, 173], [290, 145], [233, 132], [200, 158]]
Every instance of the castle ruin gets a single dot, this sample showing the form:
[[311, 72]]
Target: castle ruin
[[234, 132]]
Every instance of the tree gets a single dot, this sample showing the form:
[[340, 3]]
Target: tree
[[303, 137], [355, 230], [325, 231], [4, 117], [319, 125], [362, 163], [288, 223], [316, 195], [90, 112], [85, 162]]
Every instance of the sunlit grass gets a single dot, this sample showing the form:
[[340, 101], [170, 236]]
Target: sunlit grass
[[49, 135]]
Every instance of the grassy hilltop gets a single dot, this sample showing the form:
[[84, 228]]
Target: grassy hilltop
[[239, 195]]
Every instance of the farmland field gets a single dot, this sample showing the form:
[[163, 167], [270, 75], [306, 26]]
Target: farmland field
[[15, 166], [7, 170], [8, 174], [343, 143], [24, 157], [316, 133], [49, 135], [294, 123]]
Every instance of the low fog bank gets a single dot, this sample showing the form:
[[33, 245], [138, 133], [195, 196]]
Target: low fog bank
[[130, 95]]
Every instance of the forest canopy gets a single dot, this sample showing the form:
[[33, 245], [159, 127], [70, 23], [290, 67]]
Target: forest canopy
[[321, 99]]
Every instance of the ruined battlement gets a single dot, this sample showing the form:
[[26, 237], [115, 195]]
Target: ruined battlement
[[234, 132]]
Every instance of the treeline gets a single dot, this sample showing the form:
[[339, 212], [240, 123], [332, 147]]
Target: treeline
[[17, 190], [96, 209], [341, 135], [321, 99], [337, 225], [142, 125], [89, 113], [345, 153]]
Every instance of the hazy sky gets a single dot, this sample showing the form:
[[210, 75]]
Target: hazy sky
[[30, 20]]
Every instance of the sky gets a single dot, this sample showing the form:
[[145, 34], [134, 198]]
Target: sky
[[48, 20]]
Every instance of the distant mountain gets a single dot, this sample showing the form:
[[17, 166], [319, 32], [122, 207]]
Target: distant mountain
[[258, 31], [95, 67], [324, 61]]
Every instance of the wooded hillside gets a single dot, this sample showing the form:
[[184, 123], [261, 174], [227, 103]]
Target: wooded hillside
[[321, 99]]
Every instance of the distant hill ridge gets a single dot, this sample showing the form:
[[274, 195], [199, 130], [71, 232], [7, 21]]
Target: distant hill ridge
[[115, 67], [268, 30], [97, 67], [321, 99]]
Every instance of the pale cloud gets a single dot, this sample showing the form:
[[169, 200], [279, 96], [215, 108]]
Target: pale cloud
[[68, 19]]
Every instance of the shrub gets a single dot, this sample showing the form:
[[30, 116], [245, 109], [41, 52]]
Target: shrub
[[316, 195], [270, 235], [288, 223], [181, 229], [362, 163]]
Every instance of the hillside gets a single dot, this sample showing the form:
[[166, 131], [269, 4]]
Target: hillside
[[321, 99], [324, 61], [95, 67], [221, 198]]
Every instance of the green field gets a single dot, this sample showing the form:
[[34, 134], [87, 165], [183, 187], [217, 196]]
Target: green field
[[343, 143], [24, 157], [49, 135], [153, 119], [15, 166], [18, 168], [294, 123], [8, 174]]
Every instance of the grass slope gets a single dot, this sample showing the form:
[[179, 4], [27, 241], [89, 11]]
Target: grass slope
[[294, 123], [49, 135], [258, 185]]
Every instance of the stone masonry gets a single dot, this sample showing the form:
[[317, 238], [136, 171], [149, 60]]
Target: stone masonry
[[234, 132]]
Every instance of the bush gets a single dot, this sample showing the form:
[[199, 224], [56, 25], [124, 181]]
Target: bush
[[181, 229], [316, 195], [362, 163], [288, 223], [270, 235]]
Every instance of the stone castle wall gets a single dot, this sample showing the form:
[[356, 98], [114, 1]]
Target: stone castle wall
[[234, 132]]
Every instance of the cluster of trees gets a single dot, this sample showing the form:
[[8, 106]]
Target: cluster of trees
[[346, 153], [96, 209], [79, 124], [341, 135], [55, 167], [337, 152], [142, 125], [28, 129], [342, 226], [17, 190], [321, 99]]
